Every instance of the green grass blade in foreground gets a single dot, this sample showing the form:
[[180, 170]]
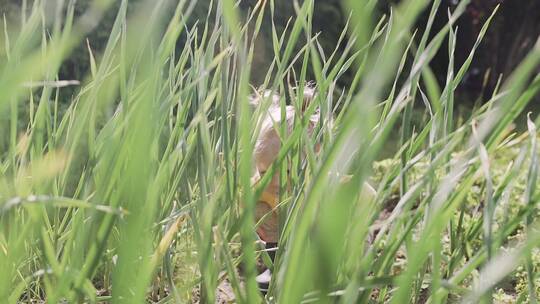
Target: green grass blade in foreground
[[243, 120], [530, 191]]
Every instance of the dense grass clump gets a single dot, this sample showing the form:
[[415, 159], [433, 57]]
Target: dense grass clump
[[140, 190]]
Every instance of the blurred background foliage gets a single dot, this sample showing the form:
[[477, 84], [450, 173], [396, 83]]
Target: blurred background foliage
[[511, 35]]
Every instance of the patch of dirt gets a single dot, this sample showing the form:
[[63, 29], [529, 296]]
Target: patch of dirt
[[224, 294]]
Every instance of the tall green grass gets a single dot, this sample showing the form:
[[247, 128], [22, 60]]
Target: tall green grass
[[140, 190]]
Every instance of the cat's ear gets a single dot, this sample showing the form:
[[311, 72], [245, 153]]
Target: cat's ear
[[309, 95], [258, 97]]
